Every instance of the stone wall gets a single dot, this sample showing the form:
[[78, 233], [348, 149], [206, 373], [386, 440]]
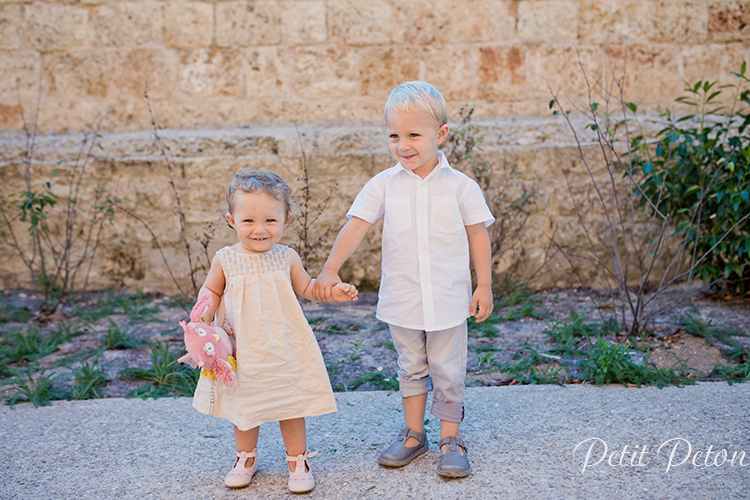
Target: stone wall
[[226, 79], [240, 62]]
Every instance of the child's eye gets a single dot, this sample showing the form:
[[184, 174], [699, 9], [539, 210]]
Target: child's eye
[[270, 220], [413, 135], [393, 136], [248, 221]]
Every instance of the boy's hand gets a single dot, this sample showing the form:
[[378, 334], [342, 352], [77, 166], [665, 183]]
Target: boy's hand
[[481, 303], [323, 287], [344, 292]]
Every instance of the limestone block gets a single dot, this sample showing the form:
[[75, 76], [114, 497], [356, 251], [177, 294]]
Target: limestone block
[[681, 22], [303, 22], [360, 23], [78, 74], [128, 24], [451, 69], [715, 62], [20, 75], [268, 72], [648, 71], [138, 69], [729, 20], [565, 68], [474, 21], [11, 20], [205, 112], [188, 24], [326, 72], [245, 23], [11, 116], [54, 27], [383, 68], [69, 115], [616, 21], [502, 73], [555, 20], [414, 22], [365, 111], [291, 111], [126, 115], [211, 72]]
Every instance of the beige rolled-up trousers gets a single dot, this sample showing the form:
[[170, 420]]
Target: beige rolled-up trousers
[[439, 355]]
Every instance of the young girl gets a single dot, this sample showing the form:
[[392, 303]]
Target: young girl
[[280, 371]]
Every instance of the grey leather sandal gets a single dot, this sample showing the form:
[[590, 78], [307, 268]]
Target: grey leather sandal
[[452, 462], [398, 454]]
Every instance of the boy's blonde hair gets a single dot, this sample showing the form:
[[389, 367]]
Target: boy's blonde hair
[[418, 96], [253, 181]]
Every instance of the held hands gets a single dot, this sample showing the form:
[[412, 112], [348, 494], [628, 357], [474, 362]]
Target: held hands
[[481, 303], [344, 292], [324, 284]]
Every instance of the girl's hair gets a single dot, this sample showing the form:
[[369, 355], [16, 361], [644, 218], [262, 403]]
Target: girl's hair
[[418, 96], [253, 181]]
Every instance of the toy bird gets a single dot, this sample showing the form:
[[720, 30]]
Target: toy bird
[[208, 346]]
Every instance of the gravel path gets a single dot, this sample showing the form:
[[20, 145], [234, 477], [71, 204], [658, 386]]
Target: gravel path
[[521, 440]]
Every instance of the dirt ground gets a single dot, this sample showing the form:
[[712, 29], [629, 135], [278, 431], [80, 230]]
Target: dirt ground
[[359, 354]]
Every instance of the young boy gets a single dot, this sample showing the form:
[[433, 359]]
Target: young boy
[[435, 219]]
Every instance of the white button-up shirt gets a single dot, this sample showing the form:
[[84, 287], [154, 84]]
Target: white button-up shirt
[[426, 279]]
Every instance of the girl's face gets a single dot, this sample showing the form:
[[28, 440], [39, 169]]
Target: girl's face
[[259, 220]]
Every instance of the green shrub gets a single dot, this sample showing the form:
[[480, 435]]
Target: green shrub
[[698, 172]]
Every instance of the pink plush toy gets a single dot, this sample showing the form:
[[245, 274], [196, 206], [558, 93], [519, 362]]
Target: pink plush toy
[[208, 346]]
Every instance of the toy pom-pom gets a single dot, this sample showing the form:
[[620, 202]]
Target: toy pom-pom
[[223, 372]]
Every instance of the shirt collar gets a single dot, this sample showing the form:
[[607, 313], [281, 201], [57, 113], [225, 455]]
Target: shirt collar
[[442, 163]]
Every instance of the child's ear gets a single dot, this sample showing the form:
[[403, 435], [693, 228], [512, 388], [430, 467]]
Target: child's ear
[[288, 220], [230, 220], [442, 133]]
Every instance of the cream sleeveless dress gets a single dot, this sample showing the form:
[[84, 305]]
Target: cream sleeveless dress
[[280, 370]]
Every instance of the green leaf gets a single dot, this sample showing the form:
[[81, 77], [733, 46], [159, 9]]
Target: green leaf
[[744, 195], [594, 106], [647, 167], [552, 103]]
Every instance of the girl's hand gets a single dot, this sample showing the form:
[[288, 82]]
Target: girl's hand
[[344, 292]]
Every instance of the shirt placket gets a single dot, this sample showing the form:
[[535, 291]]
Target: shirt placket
[[423, 255]]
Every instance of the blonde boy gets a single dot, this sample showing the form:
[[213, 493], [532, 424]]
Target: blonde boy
[[435, 218]]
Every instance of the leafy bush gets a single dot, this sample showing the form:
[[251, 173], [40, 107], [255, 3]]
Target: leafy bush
[[699, 172]]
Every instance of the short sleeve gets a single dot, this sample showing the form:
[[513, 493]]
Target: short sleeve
[[369, 205], [473, 207]]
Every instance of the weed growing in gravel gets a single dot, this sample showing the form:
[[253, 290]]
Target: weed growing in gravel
[[87, 379], [388, 344], [38, 390], [526, 310], [118, 338], [357, 350], [733, 373], [16, 345], [180, 301], [484, 329], [692, 322], [610, 363], [166, 377], [10, 312], [377, 379]]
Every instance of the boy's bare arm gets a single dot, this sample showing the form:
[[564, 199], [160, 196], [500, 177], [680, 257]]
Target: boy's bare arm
[[346, 243], [481, 254]]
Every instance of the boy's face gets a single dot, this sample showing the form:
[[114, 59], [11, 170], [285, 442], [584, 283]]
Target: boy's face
[[414, 139]]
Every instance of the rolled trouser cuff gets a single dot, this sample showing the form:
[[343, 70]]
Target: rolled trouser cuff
[[415, 387], [450, 412]]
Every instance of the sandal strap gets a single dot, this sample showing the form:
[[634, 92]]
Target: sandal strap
[[406, 433], [301, 457], [453, 442], [247, 454]]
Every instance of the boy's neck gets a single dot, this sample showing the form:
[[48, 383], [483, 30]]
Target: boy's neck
[[428, 170]]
